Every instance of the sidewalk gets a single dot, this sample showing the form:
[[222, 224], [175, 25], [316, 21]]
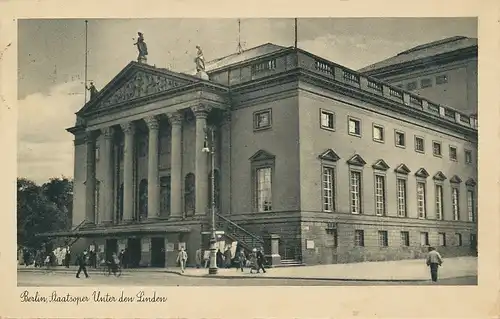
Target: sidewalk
[[401, 270]]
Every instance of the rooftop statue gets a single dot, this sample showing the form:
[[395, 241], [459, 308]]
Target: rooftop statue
[[199, 60], [142, 48], [93, 91]]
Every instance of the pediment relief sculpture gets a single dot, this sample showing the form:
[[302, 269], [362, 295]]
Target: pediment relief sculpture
[[140, 85]]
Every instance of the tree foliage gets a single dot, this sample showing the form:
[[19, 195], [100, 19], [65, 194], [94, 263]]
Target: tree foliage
[[41, 209]]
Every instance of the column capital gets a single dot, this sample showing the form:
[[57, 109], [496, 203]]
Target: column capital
[[201, 110], [107, 132], [128, 128], [152, 122], [175, 118]]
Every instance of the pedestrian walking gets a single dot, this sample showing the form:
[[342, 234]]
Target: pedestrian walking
[[67, 257], [253, 260], [260, 260], [219, 258], [82, 264], [434, 260], [228, 256], [197, 258], [241, 259], [182, 258]]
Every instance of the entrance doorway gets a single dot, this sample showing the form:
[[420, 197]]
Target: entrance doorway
[[110, 248], [157, 252], [134, 251]]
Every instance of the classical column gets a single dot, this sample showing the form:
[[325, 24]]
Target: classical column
[[201, 175], [128, 172], [90, 180], [176, 164], [107, 188], [224, 151], [153, 179]]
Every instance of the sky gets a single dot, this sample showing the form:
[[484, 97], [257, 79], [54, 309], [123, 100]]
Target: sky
[[51, 62]]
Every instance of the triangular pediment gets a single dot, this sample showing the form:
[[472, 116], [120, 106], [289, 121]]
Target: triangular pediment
[[329, 155], [455, 179], [380, 165], [471, 182], [356, 160], [439, 176], [402, 169], [261, 155], [136, 81], [422, 173]]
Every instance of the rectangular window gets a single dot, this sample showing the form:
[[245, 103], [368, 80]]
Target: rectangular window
[[400, 138], [424, 239], [439, 202], [328, 189], [355, 192], [378, 133], [425, 83], [380, 195], [441, 79], [354, 127], [327, 120], [458, 239], [383, 240], [453, 153], [421, 200], [411, 86], [359, 238], [470, 206], [401, 187], [262, 120], [442, 239], [455, 200], [405, 238], [264, 195], [468, 157], [436, 148], [419, 144], [97, 153]]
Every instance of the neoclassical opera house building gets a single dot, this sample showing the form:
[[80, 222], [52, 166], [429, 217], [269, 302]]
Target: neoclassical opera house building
[[313, 161]]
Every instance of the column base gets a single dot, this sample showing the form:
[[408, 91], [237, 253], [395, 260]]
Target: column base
[[213, 271], [274, 259]]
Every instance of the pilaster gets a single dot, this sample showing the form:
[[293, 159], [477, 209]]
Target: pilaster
[[128, 171], [108, 187], [90, 177], [153, 179], [176, 119]]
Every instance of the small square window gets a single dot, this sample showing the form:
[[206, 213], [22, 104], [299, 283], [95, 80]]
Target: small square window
[[405, 238], [411, 86], [327, 120], [441, 79], [354, 127], [468, 157], [419, 144], [453, 153], [378, 133], [425, 83], [262, 120], [400, 139], [436, 148], [458, 239], [383, 240], [442, 239]]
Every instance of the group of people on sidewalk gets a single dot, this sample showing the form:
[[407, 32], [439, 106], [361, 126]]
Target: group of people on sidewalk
[[255, 260]]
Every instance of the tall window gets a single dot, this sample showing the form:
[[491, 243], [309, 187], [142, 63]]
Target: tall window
[[189, 194], [442, 239], [421, 205], [165, 195], [359, 238], [97, 200], [143, 199], [355, 192], [119, 206], [383, 240], [328, 189], [439, 202], [264, 195], [424, 239], [455, 203], [380, 195], [405, 238], [470, 206], [401, 187]]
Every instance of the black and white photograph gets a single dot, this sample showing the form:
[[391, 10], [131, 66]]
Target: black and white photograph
[[247, 152]]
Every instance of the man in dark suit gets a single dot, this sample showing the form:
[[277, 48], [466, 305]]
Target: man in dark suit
[[260, 261], [82, 263]]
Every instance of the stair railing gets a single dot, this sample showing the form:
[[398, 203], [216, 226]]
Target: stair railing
[[239, 232]]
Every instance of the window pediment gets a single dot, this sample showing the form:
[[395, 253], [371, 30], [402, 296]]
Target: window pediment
[[356, 160], [329, 155], [381, 165], [439, 176], [471, 182], [402, 169], [455, 179], [261, 155], [422, 173]]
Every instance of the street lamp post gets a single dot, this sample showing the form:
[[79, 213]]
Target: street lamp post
[[212, 270]]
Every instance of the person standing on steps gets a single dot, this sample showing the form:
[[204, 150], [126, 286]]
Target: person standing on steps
[[434, 260], [82, 263]]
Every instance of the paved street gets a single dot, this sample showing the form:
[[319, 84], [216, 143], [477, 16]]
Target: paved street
[[40, 279]]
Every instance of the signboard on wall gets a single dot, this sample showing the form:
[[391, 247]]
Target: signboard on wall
[[145, 247], [182, 245], [101, 248], [169, 247], [92, 248], [121, 246], [309, 244]]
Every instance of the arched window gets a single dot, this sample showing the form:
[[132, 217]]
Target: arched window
[[189, 194], [217, 189], [97, 200], [119, 207], [143, 199], [165, 195]]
